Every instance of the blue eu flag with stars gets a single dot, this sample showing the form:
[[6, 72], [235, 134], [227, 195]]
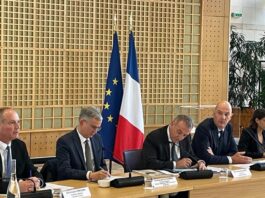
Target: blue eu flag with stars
[[112, 101]]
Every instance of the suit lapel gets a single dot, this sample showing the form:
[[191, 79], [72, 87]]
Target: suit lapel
[[1, 168], [165, 138], [77, 143]]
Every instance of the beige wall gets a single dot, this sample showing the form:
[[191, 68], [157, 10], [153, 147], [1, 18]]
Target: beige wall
[[54, 60]]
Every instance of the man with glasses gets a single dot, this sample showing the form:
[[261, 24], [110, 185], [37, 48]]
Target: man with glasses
[[80, 152], [213, 139]]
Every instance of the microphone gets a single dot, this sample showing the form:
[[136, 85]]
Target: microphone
[[129, 181]]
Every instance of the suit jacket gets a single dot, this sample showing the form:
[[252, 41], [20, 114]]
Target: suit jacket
[[206, 135], [71, 161], [249, 143], [156, 151], [24, 166]]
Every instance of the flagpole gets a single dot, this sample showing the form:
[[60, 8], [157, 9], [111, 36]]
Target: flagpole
[[115, 23], [115, 29], [130, 27], [131, 116]]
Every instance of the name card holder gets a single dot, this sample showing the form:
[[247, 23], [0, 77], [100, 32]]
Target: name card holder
[[240, 173], [77, 193], [151, 183]]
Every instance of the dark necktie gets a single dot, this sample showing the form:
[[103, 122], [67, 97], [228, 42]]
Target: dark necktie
[[220, 141], [8, 162], [174, 155], [89, 163]]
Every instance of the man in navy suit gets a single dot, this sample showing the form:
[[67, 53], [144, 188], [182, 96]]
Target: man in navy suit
[[9, 131], [80, 152], [213, 139]]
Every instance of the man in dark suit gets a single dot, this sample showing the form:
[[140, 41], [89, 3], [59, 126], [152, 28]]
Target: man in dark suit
[[158, 150], [169, 147], [213, 139], [80, 152], [9, 131]]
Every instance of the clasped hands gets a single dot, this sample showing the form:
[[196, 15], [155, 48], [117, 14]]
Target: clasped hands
[[186, 163], [29, 184]]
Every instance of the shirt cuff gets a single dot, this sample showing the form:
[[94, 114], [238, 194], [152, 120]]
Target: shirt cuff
[[88, 175], [42, 183], [174, 164], [230, 159]]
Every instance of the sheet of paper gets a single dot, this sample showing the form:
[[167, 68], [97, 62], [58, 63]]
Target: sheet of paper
[[56, 187], [214, 169]]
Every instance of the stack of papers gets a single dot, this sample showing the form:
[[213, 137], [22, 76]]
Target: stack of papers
[[155, 173]]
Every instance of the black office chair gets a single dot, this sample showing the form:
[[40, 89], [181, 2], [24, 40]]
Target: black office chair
[[133, 160], [49, 170]]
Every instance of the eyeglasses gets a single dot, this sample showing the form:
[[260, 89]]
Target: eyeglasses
[[95, 127]]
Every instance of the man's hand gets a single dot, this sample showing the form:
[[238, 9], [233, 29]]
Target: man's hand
[[36, 181], [201, 165], [210, 150], [101, 174], [26, 186], [183, 163], [238, 158]]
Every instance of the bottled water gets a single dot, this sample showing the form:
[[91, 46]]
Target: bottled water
[[13, 190]]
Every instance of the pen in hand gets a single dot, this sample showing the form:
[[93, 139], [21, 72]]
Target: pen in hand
[[102, 169]]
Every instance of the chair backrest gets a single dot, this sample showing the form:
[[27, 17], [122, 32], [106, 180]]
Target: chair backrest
[[133, 160], [49, 170]]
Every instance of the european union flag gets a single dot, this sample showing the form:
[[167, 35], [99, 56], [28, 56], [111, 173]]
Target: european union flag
[[112, 102]]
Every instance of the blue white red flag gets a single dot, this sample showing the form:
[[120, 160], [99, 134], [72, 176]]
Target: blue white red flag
[[130, 130]]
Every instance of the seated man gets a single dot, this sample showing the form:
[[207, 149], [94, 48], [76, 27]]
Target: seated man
[[80, 152], [27, 174], [169, 147], [213, 140]]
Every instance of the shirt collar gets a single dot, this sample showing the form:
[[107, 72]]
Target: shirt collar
[[82, 139], [4, 145], [168, 135]]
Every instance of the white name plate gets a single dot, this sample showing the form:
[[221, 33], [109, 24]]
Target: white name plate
[[240, 173], [77, 193], [163, 182]]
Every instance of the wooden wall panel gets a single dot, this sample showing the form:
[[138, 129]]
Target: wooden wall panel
[[44, 144], [214, 55], [50, 68]]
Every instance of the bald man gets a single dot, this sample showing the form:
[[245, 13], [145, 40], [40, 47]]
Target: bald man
[[9, 132], [213, 140]]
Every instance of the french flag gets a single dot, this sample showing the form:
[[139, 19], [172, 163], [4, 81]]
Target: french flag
[[130, 129]]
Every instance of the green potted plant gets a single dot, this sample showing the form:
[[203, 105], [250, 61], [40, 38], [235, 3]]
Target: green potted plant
[[245, 72], [246, 79]]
